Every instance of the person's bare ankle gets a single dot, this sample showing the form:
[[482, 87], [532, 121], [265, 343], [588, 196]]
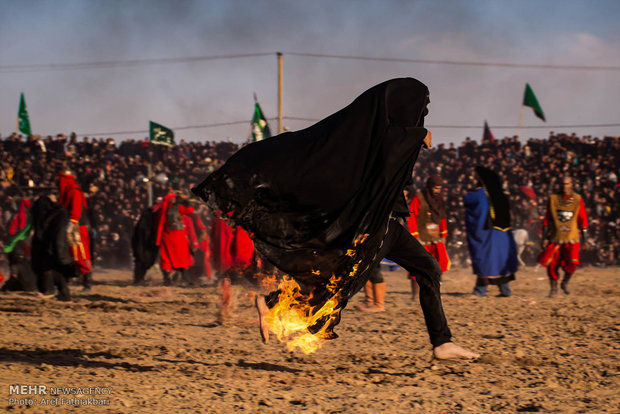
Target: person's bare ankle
[[262, 309]]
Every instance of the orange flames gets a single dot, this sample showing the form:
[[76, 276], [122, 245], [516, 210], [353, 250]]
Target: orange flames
[[268, 282], [290, 318]]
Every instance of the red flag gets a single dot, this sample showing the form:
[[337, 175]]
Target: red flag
[[487, 135]]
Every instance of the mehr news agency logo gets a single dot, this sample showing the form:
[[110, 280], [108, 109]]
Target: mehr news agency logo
[[43, 395]]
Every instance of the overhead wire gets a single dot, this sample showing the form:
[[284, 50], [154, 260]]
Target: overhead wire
[[291, 118], [192, 59], [119, 63], [458, 62]]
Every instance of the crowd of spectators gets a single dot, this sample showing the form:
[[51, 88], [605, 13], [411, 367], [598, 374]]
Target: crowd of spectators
[[114, 175], [530, 172]]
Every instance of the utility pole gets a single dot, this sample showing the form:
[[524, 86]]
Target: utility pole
[[280, 105], [520, 123], [149, 184]]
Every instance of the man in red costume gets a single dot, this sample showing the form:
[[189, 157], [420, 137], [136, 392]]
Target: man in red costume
[[233, 260], [72, 198], [221, 236], [172, 238], [565, 218], [427, 223], [204, 245]]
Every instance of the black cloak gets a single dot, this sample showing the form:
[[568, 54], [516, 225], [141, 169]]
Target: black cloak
[[50, 246], [499, 215], [306, 197], [144, 238]]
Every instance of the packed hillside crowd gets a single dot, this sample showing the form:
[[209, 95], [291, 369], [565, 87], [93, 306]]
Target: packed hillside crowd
[[114, 176]]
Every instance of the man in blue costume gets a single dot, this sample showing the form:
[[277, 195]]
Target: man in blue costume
[[491, 245]]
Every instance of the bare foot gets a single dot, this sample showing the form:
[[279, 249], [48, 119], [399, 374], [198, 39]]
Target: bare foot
[[44, 296], [373, 308], [262, 309], [450, 350]]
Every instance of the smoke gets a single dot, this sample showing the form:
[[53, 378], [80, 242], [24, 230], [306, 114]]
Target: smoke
[[181, 94]]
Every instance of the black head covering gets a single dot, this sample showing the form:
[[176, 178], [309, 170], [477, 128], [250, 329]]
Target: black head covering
[[306, 196], [499, 215]]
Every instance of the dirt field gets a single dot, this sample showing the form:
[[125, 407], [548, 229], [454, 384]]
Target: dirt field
[[157, 349]]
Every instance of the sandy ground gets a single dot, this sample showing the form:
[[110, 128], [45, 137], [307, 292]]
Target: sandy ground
[[158, 349]]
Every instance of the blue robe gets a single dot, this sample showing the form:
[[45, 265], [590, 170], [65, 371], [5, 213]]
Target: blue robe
[[493, 252]]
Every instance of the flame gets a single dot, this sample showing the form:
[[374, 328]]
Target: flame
[[354, 269], [268, 282], [360, 239], [290, 318]]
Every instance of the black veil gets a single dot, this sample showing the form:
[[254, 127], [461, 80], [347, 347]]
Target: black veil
[[309, 198]]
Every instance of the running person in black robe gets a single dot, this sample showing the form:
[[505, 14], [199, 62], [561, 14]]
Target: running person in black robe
[[320, 204]]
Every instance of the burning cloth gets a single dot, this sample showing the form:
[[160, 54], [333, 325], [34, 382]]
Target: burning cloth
[[317, 202]]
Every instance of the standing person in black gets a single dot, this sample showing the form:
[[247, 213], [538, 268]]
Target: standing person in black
[[51, 260], [321, 206]]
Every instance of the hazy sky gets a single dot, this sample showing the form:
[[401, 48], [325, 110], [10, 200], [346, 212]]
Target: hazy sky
[[125, 98]]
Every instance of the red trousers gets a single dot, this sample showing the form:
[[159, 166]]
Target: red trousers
[[556, 256]]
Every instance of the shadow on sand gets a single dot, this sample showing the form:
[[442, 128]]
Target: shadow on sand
[[67, 358]]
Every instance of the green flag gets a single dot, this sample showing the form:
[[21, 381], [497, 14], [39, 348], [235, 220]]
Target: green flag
[[23, 122], [22, 235], [260, 127], [529, 99], [159, 134]]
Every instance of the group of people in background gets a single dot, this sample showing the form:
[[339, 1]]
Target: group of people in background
[[96, 191]]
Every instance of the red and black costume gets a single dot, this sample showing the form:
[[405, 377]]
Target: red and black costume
[[72, 198], [175, 252], [427, 222]]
